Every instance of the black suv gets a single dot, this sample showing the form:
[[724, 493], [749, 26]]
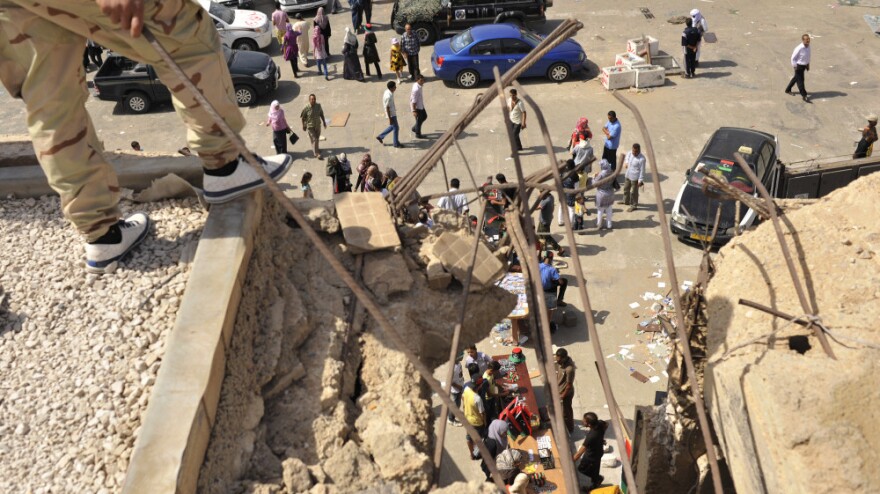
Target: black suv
[[433, 19]]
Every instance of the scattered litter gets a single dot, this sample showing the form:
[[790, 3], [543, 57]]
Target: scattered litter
[[853, 83], [656, 275], [665, 374], [661, 284], [638, 376], [654, 379], [453, 114], [634, 305], [799, 147]]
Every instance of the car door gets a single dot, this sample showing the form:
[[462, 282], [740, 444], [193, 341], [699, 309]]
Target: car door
[[160, 90], [515, 50], [486, 54], [227, 36]]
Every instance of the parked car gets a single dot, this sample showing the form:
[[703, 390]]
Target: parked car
[[693, 213], [240, 29], [237, 4], [291, 6], [137, 86], [468, 57], [435, 19]]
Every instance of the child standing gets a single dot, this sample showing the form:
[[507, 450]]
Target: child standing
[[397, 61], [580, 208], [305, 185]]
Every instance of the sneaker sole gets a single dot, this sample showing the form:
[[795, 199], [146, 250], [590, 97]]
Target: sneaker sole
[[108, 266], [228, 195]]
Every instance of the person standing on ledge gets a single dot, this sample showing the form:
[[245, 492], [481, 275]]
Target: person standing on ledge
[[800, 62], [869, 137]]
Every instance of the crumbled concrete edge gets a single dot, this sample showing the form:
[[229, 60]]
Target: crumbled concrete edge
[[177, 425]]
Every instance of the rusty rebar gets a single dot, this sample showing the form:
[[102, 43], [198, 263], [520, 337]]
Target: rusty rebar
[[343, 273], [682, 340], [786, 253], [582, 289]]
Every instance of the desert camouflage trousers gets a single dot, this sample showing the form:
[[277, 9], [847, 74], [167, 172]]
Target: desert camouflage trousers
[[41, 45]]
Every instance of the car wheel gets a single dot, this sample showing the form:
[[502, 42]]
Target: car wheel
[[137, 102], [467, 79], [245, 44], [558, 72], [244, 95], [426, 33]]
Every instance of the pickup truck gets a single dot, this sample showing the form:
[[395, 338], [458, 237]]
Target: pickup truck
[[138, 88]]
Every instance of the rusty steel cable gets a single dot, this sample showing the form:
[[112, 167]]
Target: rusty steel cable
[[453, 349], [426, 163], [582, 289], [786, 253], [560, 432], [346, 277], [682, 341]]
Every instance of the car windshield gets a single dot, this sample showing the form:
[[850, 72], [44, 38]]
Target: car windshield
[[730, 170], [225, 14], [530, 37], [461, 40]]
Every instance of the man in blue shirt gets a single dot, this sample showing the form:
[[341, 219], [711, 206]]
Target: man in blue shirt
[[612, 139], [551, 280]]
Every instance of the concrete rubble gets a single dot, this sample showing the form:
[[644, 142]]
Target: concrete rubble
[[358, 419]]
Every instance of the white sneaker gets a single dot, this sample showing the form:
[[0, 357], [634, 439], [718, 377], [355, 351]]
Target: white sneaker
[[244, 179], [103, 258]]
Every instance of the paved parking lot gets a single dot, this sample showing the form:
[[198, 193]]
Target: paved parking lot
[[740, 83]]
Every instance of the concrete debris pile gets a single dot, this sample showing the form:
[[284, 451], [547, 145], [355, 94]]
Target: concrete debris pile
[[316, 398], [788, 417], [79, 353]]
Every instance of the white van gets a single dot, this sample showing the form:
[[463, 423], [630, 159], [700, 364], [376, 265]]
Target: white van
[[240, 29]]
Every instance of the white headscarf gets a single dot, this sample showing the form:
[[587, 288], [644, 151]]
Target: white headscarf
[[275, 109], [349, 38]]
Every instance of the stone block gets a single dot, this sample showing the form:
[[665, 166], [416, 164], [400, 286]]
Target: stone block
[[366, 221], [386, 274], [321, 215], [438, 278], [456, 252]]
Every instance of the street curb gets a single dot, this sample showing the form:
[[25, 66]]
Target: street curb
[[176, 427]]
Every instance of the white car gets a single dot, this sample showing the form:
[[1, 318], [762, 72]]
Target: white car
[[291, 6], [240, 29]]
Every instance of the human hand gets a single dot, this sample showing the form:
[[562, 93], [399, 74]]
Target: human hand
[[129, 14], [524, 126]]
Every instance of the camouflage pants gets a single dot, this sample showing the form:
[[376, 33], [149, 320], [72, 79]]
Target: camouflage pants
[[41, 44]]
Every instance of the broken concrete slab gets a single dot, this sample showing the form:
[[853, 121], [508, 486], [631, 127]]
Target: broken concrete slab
[[321, 215], [438, 278], [456, 252], [366, 221], [386, 273]]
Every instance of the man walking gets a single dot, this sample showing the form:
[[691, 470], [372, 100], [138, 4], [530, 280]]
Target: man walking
[[800, 61], [690, 43], [40, 48], [634, 164], [473, 407], [417, 103], [565, 379], [391, 113], [517, 117], [569, 181], [411, 46], [312, 118], [456, 202], [545, 206]]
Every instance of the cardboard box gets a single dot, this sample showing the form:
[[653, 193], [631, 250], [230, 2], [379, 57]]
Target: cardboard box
[[617, 77], [640, 47], [629, 60], [651, 76]]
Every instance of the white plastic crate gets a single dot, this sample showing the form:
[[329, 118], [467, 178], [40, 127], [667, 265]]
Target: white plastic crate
[[617, 77], [637, 46], [650, 76], [629, 60], [668, 62]]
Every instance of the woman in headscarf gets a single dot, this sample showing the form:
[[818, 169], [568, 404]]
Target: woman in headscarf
[[318, 49], [702, 26], [290, 49], [371, 53], [581, 129], [373, 179], [351, 66], [302, 41], [362, 168], [397, 61], [604, 195], [280, 129], [323, 22], [496, 442]]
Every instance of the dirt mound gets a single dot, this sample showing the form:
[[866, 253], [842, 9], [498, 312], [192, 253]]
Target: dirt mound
[[789, 418], [316, 398]]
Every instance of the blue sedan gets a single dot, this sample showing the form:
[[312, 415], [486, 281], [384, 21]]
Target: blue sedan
[[470, 56]]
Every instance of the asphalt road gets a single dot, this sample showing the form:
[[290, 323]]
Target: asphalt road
[[740, 83]]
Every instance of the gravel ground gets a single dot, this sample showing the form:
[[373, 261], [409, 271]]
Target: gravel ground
[[79, 353]]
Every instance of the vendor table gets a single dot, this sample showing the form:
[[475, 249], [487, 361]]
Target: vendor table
[[555, 479], [515, 283]]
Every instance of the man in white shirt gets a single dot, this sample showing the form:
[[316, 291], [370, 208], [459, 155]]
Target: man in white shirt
[[391, 113], [634, 164], [517, 117], [417, 104], [800, 61], [457, 202]]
